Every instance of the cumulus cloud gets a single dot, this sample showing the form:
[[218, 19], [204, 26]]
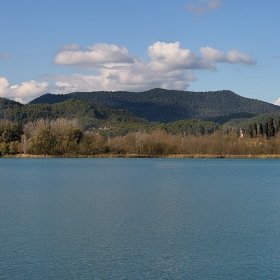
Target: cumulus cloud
[[200, 7], [23, 92], [233, 56], [5, 56], [277, 102], [96, 54], [171, 56], [169, 66], [136, 78]]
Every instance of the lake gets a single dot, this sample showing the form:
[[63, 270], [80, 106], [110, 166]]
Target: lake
[[139, 219]]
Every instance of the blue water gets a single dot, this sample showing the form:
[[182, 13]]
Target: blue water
[[139, 219]]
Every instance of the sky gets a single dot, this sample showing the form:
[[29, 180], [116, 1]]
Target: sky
[[63, 46]]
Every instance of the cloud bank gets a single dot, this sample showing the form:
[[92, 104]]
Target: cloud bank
[[113, 68], [233, 56]]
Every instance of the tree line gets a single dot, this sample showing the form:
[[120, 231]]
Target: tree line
[[63, 137], [268, 129]]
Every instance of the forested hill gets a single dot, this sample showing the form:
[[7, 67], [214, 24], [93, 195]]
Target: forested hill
[[7, 106], [94, 118], [170, 105], [87, 113]]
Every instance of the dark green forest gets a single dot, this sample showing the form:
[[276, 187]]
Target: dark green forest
[[165, 106]]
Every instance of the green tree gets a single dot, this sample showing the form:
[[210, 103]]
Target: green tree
[[251, 131], [255, 128], [42, 143], [277, 128], [4, 149], [271, 128], [261, 129], [266, 129], [9, 131]]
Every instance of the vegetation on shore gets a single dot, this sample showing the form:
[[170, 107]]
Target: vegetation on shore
[[64, 138], [73, 126]]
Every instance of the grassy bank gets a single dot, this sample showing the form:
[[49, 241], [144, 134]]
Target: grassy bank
[[174, 156]]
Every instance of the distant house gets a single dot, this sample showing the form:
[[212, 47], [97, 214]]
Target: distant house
[[241, 132]]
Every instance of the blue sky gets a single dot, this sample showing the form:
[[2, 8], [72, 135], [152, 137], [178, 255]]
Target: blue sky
[[61, 46]]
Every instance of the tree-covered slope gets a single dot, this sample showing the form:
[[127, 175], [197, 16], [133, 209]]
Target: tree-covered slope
[[8, 107], [87, 113], [244, 123], [186, 127], [172, 105], [97, 118]]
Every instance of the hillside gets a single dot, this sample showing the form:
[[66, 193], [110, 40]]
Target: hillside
[[244, 123], [7, 107], [97, 118], [89, 115], [171, 105]]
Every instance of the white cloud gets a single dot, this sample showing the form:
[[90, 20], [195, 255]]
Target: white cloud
[[200, 7], [171, 56], [96, 54], [233, 56], [277, 102], [23, 92], [5, 56], [170, 66], [136, 78]]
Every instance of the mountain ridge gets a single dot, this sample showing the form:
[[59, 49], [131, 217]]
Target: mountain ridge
[[165, 106]]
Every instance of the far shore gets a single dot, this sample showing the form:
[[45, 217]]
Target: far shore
[[179, 156]]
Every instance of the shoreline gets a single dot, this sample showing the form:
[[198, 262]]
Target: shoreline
[[174, 156]]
